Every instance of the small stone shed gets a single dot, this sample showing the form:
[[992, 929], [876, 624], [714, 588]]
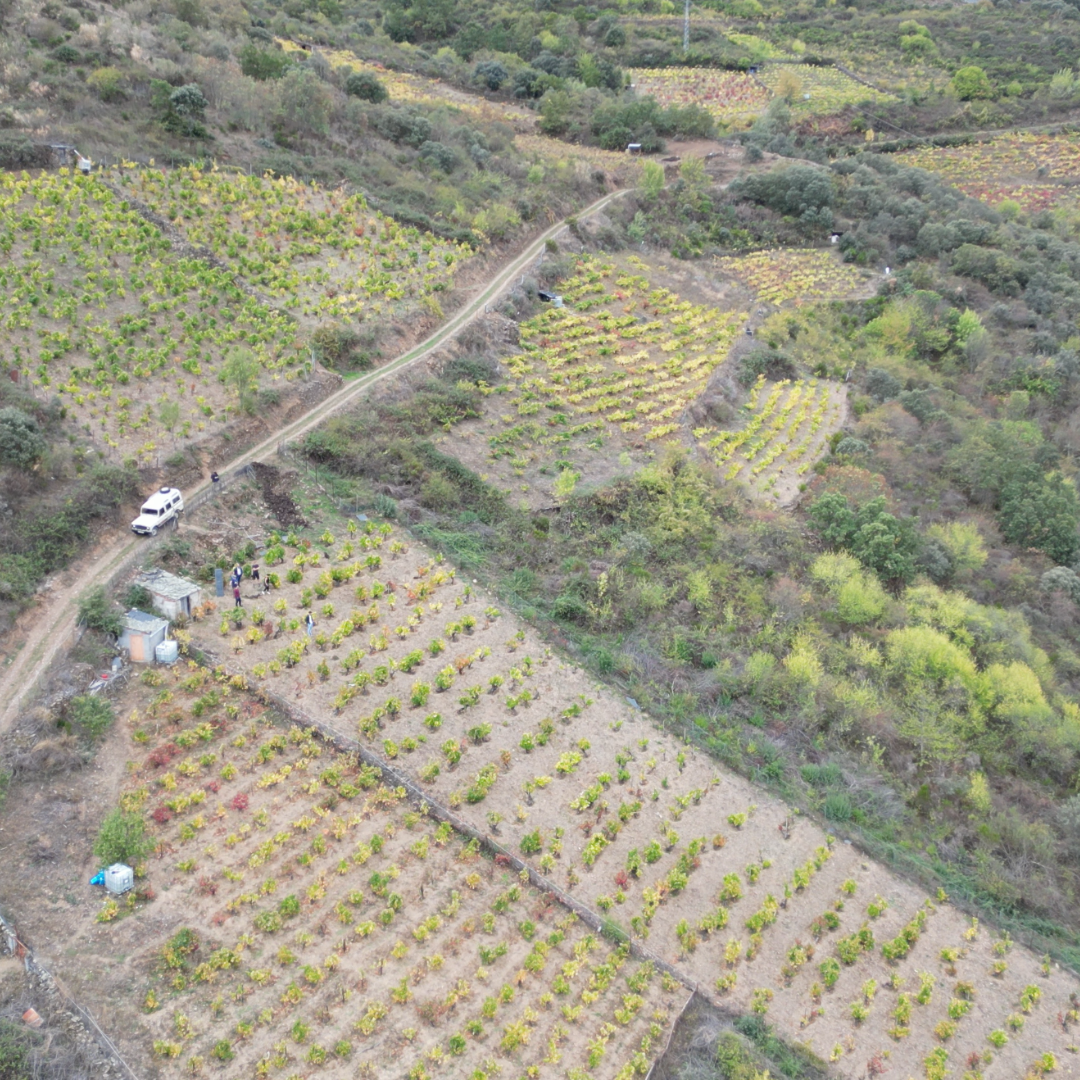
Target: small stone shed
[[141, 635], [173, 595]]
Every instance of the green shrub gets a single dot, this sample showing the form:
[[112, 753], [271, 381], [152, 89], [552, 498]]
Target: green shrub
[[263, 64], [92, 714], [122, 839], [366, 86], [107, 83], [972, 82], [97, 612], [21, 440]]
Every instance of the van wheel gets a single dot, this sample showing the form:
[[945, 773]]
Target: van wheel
[[153, 531]]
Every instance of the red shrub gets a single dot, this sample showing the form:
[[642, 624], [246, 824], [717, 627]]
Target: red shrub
[[239, 801], [162, 814], [207, 887], [214, 786], [621, 879], [163, 755]]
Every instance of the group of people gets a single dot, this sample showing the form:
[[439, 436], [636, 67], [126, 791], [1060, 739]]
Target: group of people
[[238, 575]]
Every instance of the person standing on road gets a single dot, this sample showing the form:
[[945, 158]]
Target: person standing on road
[[236, 595]]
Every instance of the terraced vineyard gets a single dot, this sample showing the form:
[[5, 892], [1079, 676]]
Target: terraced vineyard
[[801, 275], [829, 89], [757, 906], [98, 310], [1035, 171], [408, 88], [621, 359], [549, 152], [733, 96], [318, 254], [728, 95], [783, 437], [330, 927]]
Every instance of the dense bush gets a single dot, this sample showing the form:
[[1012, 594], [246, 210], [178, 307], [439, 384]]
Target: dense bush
[[97, 612], [263, 64], [875, 537], [366, 86], [122, 838], [798, 191], [21, 440]]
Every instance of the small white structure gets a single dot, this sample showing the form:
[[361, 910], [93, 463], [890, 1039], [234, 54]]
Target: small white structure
[[119, 878], [141, 635], [167, 652], [173, 595]]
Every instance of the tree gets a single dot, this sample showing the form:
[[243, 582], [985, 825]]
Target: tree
[[440, 155], [972, 82], [963, 542], [263, 64], [122, 839], [93, 714], [1042, 512], [305, 102], [181, 110], [21, 441], [491, 74], [875, 537], [652, 179], [188, 106], [365, 86], [1061, 579], [241, 372], [108, 82], [98, 613], [169, 415], [789, 86]]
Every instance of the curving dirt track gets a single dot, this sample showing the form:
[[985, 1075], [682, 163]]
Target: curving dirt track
[[54, 622]]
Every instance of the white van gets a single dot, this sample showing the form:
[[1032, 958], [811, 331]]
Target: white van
[[164, 505]]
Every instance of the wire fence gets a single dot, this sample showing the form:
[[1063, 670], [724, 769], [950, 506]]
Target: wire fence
[[21, 951]]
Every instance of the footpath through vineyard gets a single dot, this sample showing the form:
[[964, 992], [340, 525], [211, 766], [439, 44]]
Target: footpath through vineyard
[[756, 906]]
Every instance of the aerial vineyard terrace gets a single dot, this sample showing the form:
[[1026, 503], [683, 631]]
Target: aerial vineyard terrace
[[728, 95], [96, 308], [733, 96], [407, 87], [755, 904], [623, 358], [818, 90], [331, 929], [1034, 171], [783, 437], [316, 253], [99, 310]]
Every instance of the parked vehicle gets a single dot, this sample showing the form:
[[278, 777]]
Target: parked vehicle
[[166, 504]]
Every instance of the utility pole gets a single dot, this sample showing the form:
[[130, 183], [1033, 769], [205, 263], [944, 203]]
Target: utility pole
[[686, 28]]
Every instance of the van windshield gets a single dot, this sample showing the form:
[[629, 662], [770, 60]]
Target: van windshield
[[150, 511]]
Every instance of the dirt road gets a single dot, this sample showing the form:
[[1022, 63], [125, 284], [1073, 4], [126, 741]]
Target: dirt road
[[53, 626]]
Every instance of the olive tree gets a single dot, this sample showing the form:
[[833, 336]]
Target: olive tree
[[21, 440]]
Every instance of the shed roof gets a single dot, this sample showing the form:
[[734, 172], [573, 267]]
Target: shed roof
[[165, 584], [141, 622]]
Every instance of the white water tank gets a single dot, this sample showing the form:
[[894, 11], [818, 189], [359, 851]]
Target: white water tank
[[166, 652], [119, 878]]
